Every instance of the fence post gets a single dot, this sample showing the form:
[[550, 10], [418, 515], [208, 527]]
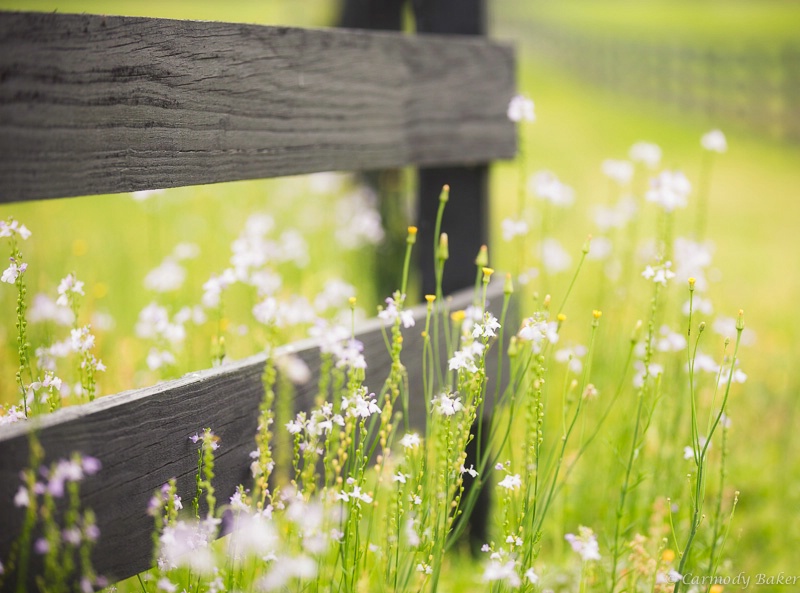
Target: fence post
[[466, 217]]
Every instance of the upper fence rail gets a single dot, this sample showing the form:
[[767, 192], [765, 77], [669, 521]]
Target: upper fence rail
[[97, 104]]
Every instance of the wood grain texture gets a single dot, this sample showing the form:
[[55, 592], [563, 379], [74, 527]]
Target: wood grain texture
[[92, 104], [142, 438]]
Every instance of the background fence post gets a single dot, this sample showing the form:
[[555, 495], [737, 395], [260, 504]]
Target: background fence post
[[465, 218]]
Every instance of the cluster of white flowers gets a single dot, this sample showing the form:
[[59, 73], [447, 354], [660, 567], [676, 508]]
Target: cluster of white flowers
[[660, 273], [393, 312], [154, 324], [487, 328], [585, 544], [692, 259], [511, 482], [447, 404], [13, 271], [670, 190], [318, 423], [647, 153], [539, 331], [13, 228], [572, 357], [360, 404], [169, 276], [67, 289], [616, 216], [546, 186], [513, 228], [555, 258], [670, 341], [44, 308], [652, 370], [520, 108], [467, 358], [411, 440], [618, 171], [295, 310], [714, 141], [355, 494], [358, 222]]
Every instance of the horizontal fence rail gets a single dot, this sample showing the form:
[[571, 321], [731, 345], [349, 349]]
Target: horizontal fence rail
[[142, 437], [93, 104]]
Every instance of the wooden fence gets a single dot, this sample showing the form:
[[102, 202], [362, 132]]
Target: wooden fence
[[749, 87], [92, 104]]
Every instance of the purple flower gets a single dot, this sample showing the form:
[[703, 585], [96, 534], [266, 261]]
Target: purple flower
[[91, 465]]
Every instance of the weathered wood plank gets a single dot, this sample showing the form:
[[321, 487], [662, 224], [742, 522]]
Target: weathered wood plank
[[142, 438], [93, 104]]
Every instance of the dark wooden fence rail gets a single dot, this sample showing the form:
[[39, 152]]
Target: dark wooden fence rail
[[142, 437], [750, 87], [93, 104]]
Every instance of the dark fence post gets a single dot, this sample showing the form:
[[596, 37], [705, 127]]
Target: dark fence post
[[465, 218]]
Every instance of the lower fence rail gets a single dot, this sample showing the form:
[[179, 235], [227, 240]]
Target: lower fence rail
[[142, 438]]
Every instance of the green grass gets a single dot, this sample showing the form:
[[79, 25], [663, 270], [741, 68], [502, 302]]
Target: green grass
[[754, 206]]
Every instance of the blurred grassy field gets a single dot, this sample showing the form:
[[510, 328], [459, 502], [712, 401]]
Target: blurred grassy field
[[754, 211]]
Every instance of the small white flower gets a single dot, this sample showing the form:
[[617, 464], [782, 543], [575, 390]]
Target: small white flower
[[520, 108], [167, 277], [555, 258], [619, 171], [471, 471], [447, 404], [670, 190], [497, 571], [511, 482], [410, 440], [513, 228], [462, 360], [69, 284], [547, 187], [647, 153], [531, 576], [400, 477], [714, 141], [22, 498], [585, 544], [392, 313], [659, 274], [486, 329], [12, 272], [13, 227]]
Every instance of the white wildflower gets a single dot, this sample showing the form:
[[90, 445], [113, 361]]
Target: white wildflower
[[585, 544], [547, 186], [555, 258], [619, 171], [497, 571], [520, 108], [410, 440], [647, 153], [513, 228], [714, 141], [447, 404], [670, 190], [511, 482]]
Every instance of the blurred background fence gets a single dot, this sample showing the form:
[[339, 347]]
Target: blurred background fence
[[754, 87]]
